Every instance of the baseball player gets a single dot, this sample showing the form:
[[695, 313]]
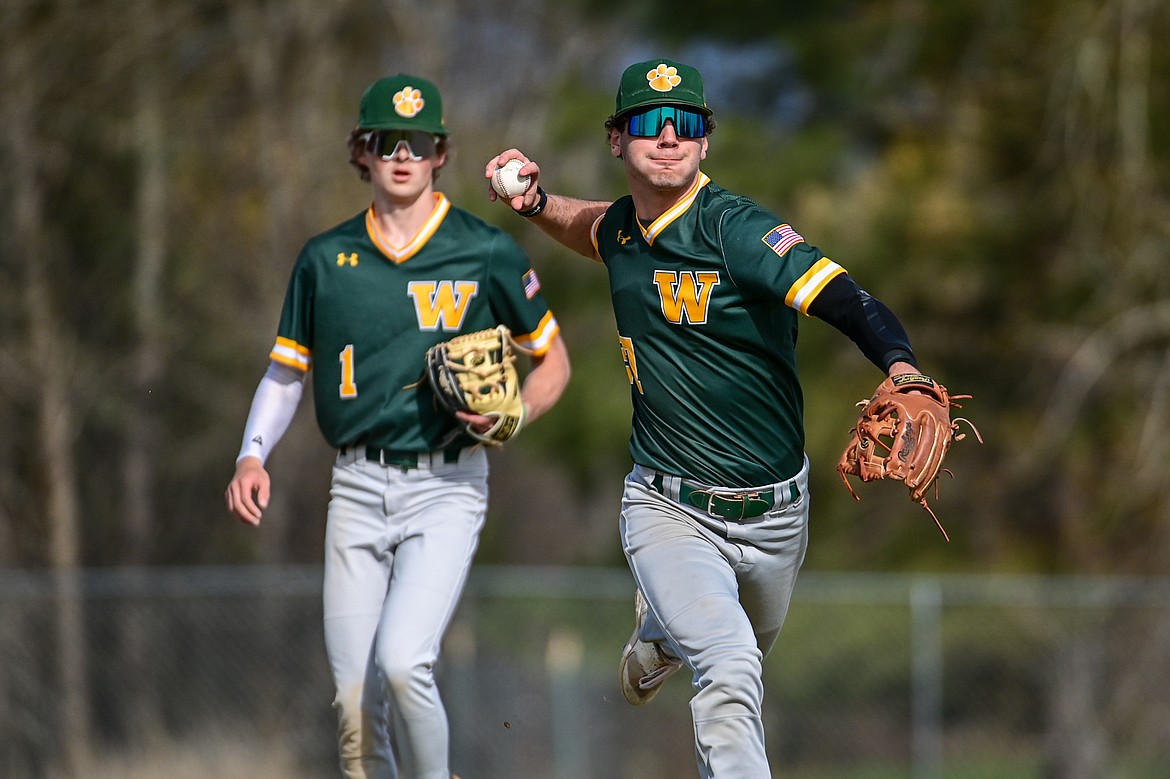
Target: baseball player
[[707, 289], [409, 492]]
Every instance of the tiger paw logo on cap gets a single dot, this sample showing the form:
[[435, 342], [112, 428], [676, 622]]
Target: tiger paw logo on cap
[[663, 78], [408, 101]]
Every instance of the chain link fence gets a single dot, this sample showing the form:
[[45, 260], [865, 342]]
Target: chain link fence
[[138, 674]]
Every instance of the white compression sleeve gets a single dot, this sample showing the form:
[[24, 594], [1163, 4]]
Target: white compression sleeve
[[273, 407]]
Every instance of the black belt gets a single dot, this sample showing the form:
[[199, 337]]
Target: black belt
[[398, 458], [729, 505]]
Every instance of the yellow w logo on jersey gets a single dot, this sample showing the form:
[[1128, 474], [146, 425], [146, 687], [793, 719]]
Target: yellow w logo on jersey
[[343, 258], [441, 304], [685, 295]]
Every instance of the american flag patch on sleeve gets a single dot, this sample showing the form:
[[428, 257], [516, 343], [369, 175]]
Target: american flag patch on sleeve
[[782, 238], [531, 284]]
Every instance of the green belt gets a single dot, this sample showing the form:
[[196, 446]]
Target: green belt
[[729, 505], [398, 458]]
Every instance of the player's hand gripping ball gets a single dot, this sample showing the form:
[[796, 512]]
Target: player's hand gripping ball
[[507, 183], [904, 433], [476, 373]]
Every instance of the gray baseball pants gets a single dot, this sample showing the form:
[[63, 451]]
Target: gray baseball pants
[[718, 592], [398, 547]]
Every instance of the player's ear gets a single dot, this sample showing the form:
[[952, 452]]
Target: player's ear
[[703, 149], [437, 164], [615, 142]]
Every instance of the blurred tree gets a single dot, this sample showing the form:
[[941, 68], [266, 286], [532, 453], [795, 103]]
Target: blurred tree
[[147, 355], [44, 355]]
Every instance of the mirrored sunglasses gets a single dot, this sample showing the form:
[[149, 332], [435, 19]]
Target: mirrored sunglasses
[[649, 123], [385, 144]]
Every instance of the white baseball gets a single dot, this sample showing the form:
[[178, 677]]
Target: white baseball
[[505, 181]]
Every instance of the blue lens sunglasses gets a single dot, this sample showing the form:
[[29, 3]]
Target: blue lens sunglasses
[[649, 123]]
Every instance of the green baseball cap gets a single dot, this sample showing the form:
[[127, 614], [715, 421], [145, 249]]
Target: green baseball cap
[[660, 82], [402, 102]]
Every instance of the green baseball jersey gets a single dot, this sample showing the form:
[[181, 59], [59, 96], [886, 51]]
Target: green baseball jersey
[[707, 300], [361, 314]]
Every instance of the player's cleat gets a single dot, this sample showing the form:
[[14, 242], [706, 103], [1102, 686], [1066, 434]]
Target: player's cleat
[[644, 666]]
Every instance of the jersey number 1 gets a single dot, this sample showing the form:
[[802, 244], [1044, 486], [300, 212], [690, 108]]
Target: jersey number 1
[[347, 388]]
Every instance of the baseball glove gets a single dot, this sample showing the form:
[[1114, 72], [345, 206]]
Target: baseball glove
[[476, 373], [904, 433]]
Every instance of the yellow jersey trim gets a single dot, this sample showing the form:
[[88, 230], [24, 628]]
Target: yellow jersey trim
[[401, 254], [290, 353], [805, 289], [539, 340], [675, 211]]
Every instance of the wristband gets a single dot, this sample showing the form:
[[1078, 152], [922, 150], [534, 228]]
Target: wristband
[[540, 204]]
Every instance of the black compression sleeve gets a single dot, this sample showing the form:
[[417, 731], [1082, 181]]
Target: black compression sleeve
[[867, 321]]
